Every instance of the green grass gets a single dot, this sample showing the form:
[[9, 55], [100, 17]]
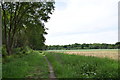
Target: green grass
[[0, 67], [74, 66], [32, 65]]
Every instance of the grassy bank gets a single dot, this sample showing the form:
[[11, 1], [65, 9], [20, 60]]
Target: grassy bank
[[32, 65], [75, 66]]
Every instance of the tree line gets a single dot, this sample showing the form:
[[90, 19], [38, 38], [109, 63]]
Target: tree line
[[78, 46], [23, 24]]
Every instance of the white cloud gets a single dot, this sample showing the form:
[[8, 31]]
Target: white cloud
[[82, 21]]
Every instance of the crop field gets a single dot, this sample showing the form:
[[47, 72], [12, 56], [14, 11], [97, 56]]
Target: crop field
[[103, 53]]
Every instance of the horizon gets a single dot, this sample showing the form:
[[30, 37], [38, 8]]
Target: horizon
[[81, 43], [83, 21]]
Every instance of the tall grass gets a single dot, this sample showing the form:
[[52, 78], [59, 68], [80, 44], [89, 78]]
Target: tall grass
[[32, 65], [75, 66]]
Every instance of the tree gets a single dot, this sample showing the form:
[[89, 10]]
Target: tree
[[19, 17], [117, 45]]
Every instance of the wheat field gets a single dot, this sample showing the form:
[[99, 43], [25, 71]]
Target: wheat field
[[108, 53]]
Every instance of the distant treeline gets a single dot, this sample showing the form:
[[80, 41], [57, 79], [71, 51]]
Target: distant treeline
[[84, 46]]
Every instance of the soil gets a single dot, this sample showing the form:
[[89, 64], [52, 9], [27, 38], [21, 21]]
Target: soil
[[52, 75]]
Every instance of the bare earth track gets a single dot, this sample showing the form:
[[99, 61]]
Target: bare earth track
[[52, 75]]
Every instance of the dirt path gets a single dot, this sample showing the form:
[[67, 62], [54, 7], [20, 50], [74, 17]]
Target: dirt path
[[52, 75]]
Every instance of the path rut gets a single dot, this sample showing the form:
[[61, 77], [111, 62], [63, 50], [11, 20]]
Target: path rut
[[52, 75]]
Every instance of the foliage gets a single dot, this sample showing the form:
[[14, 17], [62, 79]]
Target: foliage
[[74, 66], [118, 45], [18, 52], [77, 46], [23, 24], [4, 52]]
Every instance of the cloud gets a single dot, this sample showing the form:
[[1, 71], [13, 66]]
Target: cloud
[[82, 21]]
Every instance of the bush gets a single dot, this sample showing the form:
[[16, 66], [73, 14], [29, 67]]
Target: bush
[[16, 50], [22, 51], [17, 53], [4, 51], [26, 50]]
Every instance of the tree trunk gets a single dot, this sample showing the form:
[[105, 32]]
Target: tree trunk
[[9, 50]]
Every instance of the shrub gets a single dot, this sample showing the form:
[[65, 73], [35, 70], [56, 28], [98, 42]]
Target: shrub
[[4, 51], [17, 53]]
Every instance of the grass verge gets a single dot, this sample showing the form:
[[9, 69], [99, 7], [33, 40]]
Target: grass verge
[[32, 65], [75, 66]]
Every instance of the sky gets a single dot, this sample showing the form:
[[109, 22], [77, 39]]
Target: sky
[[83, 21]]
